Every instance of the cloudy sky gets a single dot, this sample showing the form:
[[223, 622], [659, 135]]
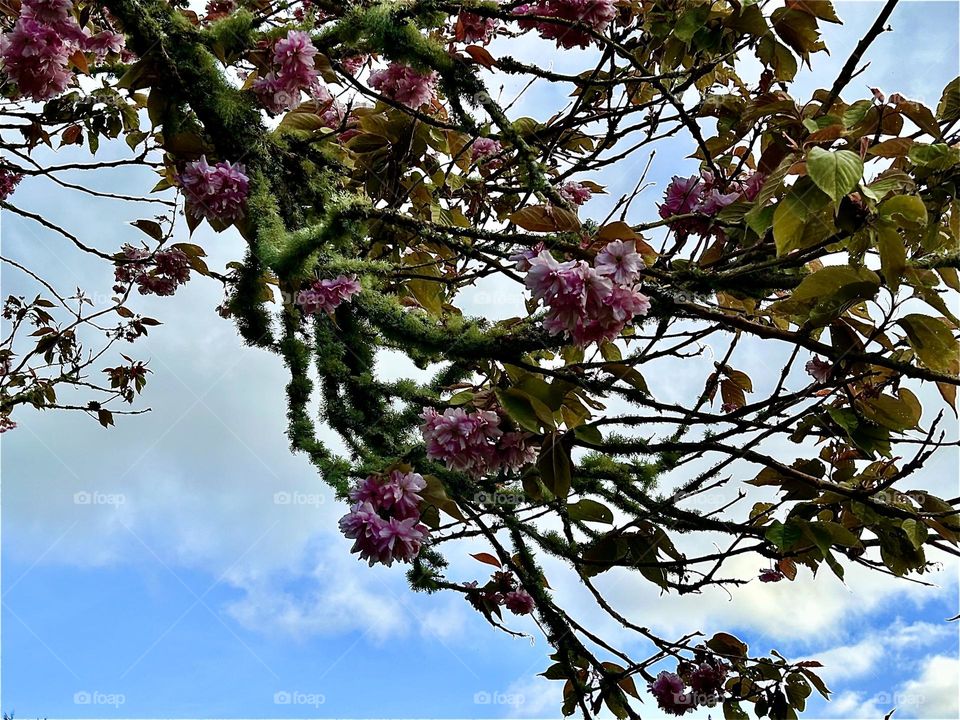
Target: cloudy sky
[[186, 564]]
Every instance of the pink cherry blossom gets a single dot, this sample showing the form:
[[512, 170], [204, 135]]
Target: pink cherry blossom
[[818, 369], [574, 193], [715, 201], [219, 9], [215, 192], [327, 295], [595, 15], [8, 182], [464, 441], [668, 689], [353, 63], [35, 53], [484, 149], [523, 257], [363, 525], [399, 494], [514, 451], [702, 196], [473, 442], [404, 85], [682, 196], [400, 540], [160, 274], [620, 261], [103, 43], [384, 521], [473, 28], [583, 303], [519, 602], [708, 677], [293, 72], [35, 57]]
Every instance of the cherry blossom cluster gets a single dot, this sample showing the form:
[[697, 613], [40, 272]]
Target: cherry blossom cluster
[[293, 71], [501, 590], [819, 370], [404, 85], [700, 195], [705, 681], [769, 575], [485, 151], [574, 193], [473, 28], [353, 63], [8, 182], [473, 442], [594, 15], [332, 112], [327, 295], [384, 521], [159, 274], [215, 192], [219, 9], [36, 52], [587, 304]]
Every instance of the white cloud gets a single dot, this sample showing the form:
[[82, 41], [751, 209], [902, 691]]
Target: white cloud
[[851, 704], [934, 693], [849, 661]]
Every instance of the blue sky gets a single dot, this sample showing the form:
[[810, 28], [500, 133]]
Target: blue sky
[[180, 583]]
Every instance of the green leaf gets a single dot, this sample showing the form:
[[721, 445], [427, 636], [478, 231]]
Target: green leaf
[[733, 711], [903, 211], [545, 218], [795, 221], [691, 22], [590, 511], [727, 644], [149, 227], [588, 433], [899, 414], [893, 255], [915, 531], [933, 342], [519, 408], [934, 157], [948, 110], [826, 294], [784, 536], [835, 172], [555, 466]]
